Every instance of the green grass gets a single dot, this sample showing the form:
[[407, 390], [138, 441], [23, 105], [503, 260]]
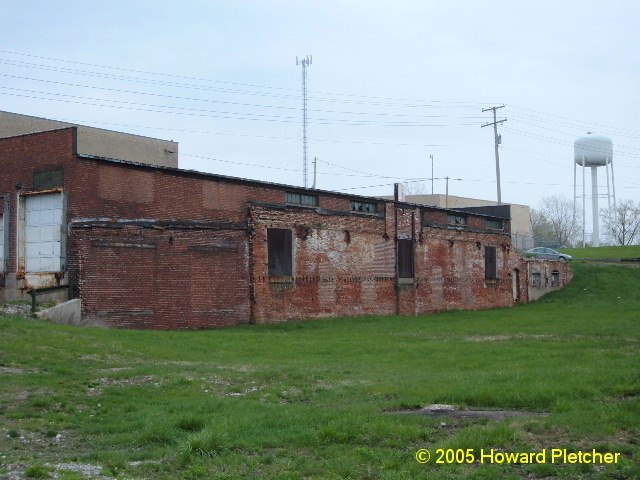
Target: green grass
[[627, 251], [317, 399]]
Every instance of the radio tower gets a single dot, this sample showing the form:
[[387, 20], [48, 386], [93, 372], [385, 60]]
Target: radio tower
[[305, 62]]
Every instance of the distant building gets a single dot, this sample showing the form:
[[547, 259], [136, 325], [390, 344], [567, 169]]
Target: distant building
[[97, 141], [520, 215]]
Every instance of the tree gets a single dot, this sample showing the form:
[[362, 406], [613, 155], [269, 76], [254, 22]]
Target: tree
[[622, 225], [415, 188], [558, 217], [540, 226]]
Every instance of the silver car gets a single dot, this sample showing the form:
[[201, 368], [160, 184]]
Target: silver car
[[547, 253]]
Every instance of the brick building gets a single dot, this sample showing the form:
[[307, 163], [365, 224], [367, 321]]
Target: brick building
[[151, 246]]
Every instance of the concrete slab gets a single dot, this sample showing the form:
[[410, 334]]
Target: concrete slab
[[69, 313]]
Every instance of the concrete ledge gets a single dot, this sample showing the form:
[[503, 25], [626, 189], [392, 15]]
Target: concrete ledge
[[68, 313]]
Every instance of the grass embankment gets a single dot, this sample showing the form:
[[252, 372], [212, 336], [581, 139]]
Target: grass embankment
[[627, 251], [313, 399]]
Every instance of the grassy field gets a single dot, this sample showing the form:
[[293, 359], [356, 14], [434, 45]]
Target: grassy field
[[320, 399]]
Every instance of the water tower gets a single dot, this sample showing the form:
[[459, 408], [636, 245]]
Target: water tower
[[593, 151]]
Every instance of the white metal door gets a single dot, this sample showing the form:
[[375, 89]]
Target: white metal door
[[43, 222]]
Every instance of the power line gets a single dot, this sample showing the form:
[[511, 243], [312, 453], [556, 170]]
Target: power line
[[153, 108], [350, 98], [209, 100], [572, 122]]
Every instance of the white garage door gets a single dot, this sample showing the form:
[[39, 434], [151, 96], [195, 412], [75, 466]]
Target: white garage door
[[43, 221]]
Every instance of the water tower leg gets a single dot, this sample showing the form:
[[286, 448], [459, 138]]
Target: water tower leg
[[608, 189], [613, 184], [575, 166], [595, 236], [584, 210]]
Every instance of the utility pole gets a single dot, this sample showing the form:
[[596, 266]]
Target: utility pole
[[431, 174], [305, 62], [497, 141], [446, 194], [315, 167]]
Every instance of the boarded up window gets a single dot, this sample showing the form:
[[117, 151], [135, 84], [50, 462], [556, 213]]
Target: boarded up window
[[405, 259], [48, 179], [536, 279], [490, 267], [279, 252]]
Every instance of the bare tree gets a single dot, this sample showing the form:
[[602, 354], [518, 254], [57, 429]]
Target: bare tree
[[622, 225], [560, 217], [540, 226], [415, 188]]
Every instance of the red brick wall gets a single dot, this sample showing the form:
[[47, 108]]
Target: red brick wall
[[140, 277]]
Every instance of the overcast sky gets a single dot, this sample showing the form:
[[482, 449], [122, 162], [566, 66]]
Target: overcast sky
[[391, 83]]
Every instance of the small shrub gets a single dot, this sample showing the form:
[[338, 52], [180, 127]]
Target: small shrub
[[194, 471], [157, 434], [39, 401], [37, 471], [191, 424], [205, 443]]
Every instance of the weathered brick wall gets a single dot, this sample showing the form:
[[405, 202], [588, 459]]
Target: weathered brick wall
[[346, 265], [544, 276], [343, 266], [451, 271], [165, 277]]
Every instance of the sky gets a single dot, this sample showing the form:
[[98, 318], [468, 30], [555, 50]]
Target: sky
[[391, 84]]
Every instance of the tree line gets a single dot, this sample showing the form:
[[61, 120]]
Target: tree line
[[559, 221]]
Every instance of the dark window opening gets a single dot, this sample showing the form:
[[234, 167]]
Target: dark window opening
[[555, 278], [495, 224], [301, 199], [405, 259], [490, 264], [279, 252], [364, 207], [456, 219]]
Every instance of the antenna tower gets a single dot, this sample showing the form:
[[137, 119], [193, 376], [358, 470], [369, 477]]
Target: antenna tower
[[304, 62]]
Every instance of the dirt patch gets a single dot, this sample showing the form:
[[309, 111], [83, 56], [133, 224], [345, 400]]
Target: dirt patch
[[450, 411], [501, 338], [16, 309], [11, 371], [95, 388]]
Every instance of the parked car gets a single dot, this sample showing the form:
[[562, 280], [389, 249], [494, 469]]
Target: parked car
[[547, 253]]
